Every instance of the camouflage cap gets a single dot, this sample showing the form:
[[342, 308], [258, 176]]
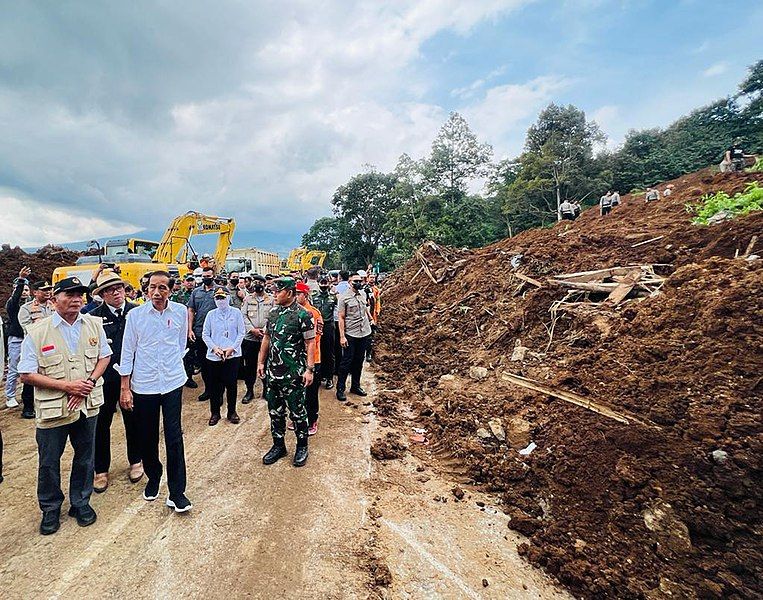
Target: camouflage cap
[[285, 283]]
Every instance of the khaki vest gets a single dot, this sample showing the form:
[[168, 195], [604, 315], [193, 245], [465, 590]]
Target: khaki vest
[[50, 406]]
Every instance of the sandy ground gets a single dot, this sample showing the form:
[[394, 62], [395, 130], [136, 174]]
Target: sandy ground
[[327, 530]]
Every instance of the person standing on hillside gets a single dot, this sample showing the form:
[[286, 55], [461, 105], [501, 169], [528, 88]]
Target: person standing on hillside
[[652, 195], [19, 296], [151, 366], [733, 159], [223, 333], [199, 304], [605, 204], [288, 350], [255, 311], [567, 211], [63, 357], [32, 312], [354, 332], [615, 198], [111, 287], [325, 301], [312, 392]]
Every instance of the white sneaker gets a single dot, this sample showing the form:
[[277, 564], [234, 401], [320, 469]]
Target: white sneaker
[[12, 403]]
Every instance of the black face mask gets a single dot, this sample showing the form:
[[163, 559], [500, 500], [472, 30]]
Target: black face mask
[[259, 288], [324, 288], [207, 280], [234, 281], [357, 284]]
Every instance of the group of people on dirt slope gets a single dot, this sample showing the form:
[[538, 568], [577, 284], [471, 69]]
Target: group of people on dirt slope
[[80, 351]]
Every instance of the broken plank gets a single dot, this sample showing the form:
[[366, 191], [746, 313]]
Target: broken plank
[[530, 280], [750, 246], [588, 286], [623, 289], [572, 398], [584, 276], [659, 237]]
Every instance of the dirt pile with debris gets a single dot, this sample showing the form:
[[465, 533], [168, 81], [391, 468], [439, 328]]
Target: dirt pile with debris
[[42, 262], [623, 431]]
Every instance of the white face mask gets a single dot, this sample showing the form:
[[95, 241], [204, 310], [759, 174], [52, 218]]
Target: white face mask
[[222, 303]]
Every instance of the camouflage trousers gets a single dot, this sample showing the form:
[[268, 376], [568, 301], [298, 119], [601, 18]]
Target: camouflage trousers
[[282, 394]]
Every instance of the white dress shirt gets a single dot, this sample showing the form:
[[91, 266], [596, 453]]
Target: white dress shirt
[[153, 347], [223, 329], [70, 333]]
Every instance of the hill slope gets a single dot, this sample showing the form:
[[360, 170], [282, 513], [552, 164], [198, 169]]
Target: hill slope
[[669, 503]]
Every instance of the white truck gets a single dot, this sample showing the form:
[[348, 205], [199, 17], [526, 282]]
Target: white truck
[[252, 261]]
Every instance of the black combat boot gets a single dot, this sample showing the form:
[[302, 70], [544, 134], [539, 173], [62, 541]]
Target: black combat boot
[[300, 455], [277, 452], [247, 397]]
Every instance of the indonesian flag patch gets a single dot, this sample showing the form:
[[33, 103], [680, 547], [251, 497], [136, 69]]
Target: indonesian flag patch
[[48, 350]]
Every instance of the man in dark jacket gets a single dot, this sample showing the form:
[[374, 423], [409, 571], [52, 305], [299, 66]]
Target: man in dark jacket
[[19, 296], [113, 311]]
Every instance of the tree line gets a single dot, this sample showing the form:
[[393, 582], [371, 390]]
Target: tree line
[[382, 217]]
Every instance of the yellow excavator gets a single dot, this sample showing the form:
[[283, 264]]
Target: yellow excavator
[[173, 253], [301, 259]]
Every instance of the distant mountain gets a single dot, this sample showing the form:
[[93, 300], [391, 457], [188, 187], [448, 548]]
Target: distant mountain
[[281, 242]]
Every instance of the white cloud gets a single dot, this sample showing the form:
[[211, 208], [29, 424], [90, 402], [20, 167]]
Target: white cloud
[[256, 110], [717, 69], [609, 119], [497, 117], [29, 223]]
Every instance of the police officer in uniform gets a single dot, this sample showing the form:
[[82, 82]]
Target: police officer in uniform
[[63, 357], [288, 347], [40, 307], [255, 310], [113, 311]]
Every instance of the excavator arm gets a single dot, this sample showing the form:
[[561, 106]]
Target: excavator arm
[[174, 245]]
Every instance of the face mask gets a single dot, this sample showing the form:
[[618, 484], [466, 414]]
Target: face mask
[[234, 281], [357, 284], [207, 280], [259, 288], [222, 303], [324, 288]]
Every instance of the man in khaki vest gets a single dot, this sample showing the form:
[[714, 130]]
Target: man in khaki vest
[[63, 357]]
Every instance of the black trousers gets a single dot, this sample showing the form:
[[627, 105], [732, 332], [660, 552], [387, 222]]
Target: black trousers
[[189, 360], [370, 344], [111, 390], [352, 362], [201, 358], [311, 395], [27, 398], [146, 408], [337, 348], [50, 447], [223, 380], [327, 353], [250, 351]]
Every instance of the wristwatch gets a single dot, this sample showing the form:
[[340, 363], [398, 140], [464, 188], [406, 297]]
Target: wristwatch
[[91, 380]]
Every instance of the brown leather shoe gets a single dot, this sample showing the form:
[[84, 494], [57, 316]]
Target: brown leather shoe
[[214, 420], [136, 472], [100, 482], [234, 418]]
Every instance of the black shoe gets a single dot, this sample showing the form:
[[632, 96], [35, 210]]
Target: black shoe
[[368, 358], [340, 395], [51, 521], [190, 383], [180, 503], [204, 397], [358, 391], [248, 397], [214, 420], [329, 384], [152, 491], [85, 515], [27, 414], [300, 456], [277, 452]]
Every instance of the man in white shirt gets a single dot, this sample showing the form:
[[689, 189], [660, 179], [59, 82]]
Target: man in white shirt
[[223, 333], [151, 366]]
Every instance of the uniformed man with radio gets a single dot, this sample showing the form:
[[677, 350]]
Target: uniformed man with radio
[[63, 357]]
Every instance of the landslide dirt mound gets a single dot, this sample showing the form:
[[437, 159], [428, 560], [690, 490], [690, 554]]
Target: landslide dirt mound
[[42, 262], [668, 505]]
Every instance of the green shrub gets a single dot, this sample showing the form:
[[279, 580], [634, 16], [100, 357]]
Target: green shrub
[[740, 204]]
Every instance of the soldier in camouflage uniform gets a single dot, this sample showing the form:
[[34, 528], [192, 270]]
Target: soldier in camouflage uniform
[[288, 348]]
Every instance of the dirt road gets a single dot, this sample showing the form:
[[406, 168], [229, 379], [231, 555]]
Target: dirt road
[[343, 527]]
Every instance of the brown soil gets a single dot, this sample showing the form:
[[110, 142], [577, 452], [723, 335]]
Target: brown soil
[[42, 262], [611, 510]]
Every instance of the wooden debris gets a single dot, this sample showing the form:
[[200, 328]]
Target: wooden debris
[[659, 237], [750, 246], [624, 288], [617, 282], [529, 280], [572, 398]]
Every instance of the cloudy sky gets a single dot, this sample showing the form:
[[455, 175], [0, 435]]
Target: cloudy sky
[[117, 116]]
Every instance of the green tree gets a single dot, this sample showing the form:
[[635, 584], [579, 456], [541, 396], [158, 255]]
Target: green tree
[[326, 234]]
